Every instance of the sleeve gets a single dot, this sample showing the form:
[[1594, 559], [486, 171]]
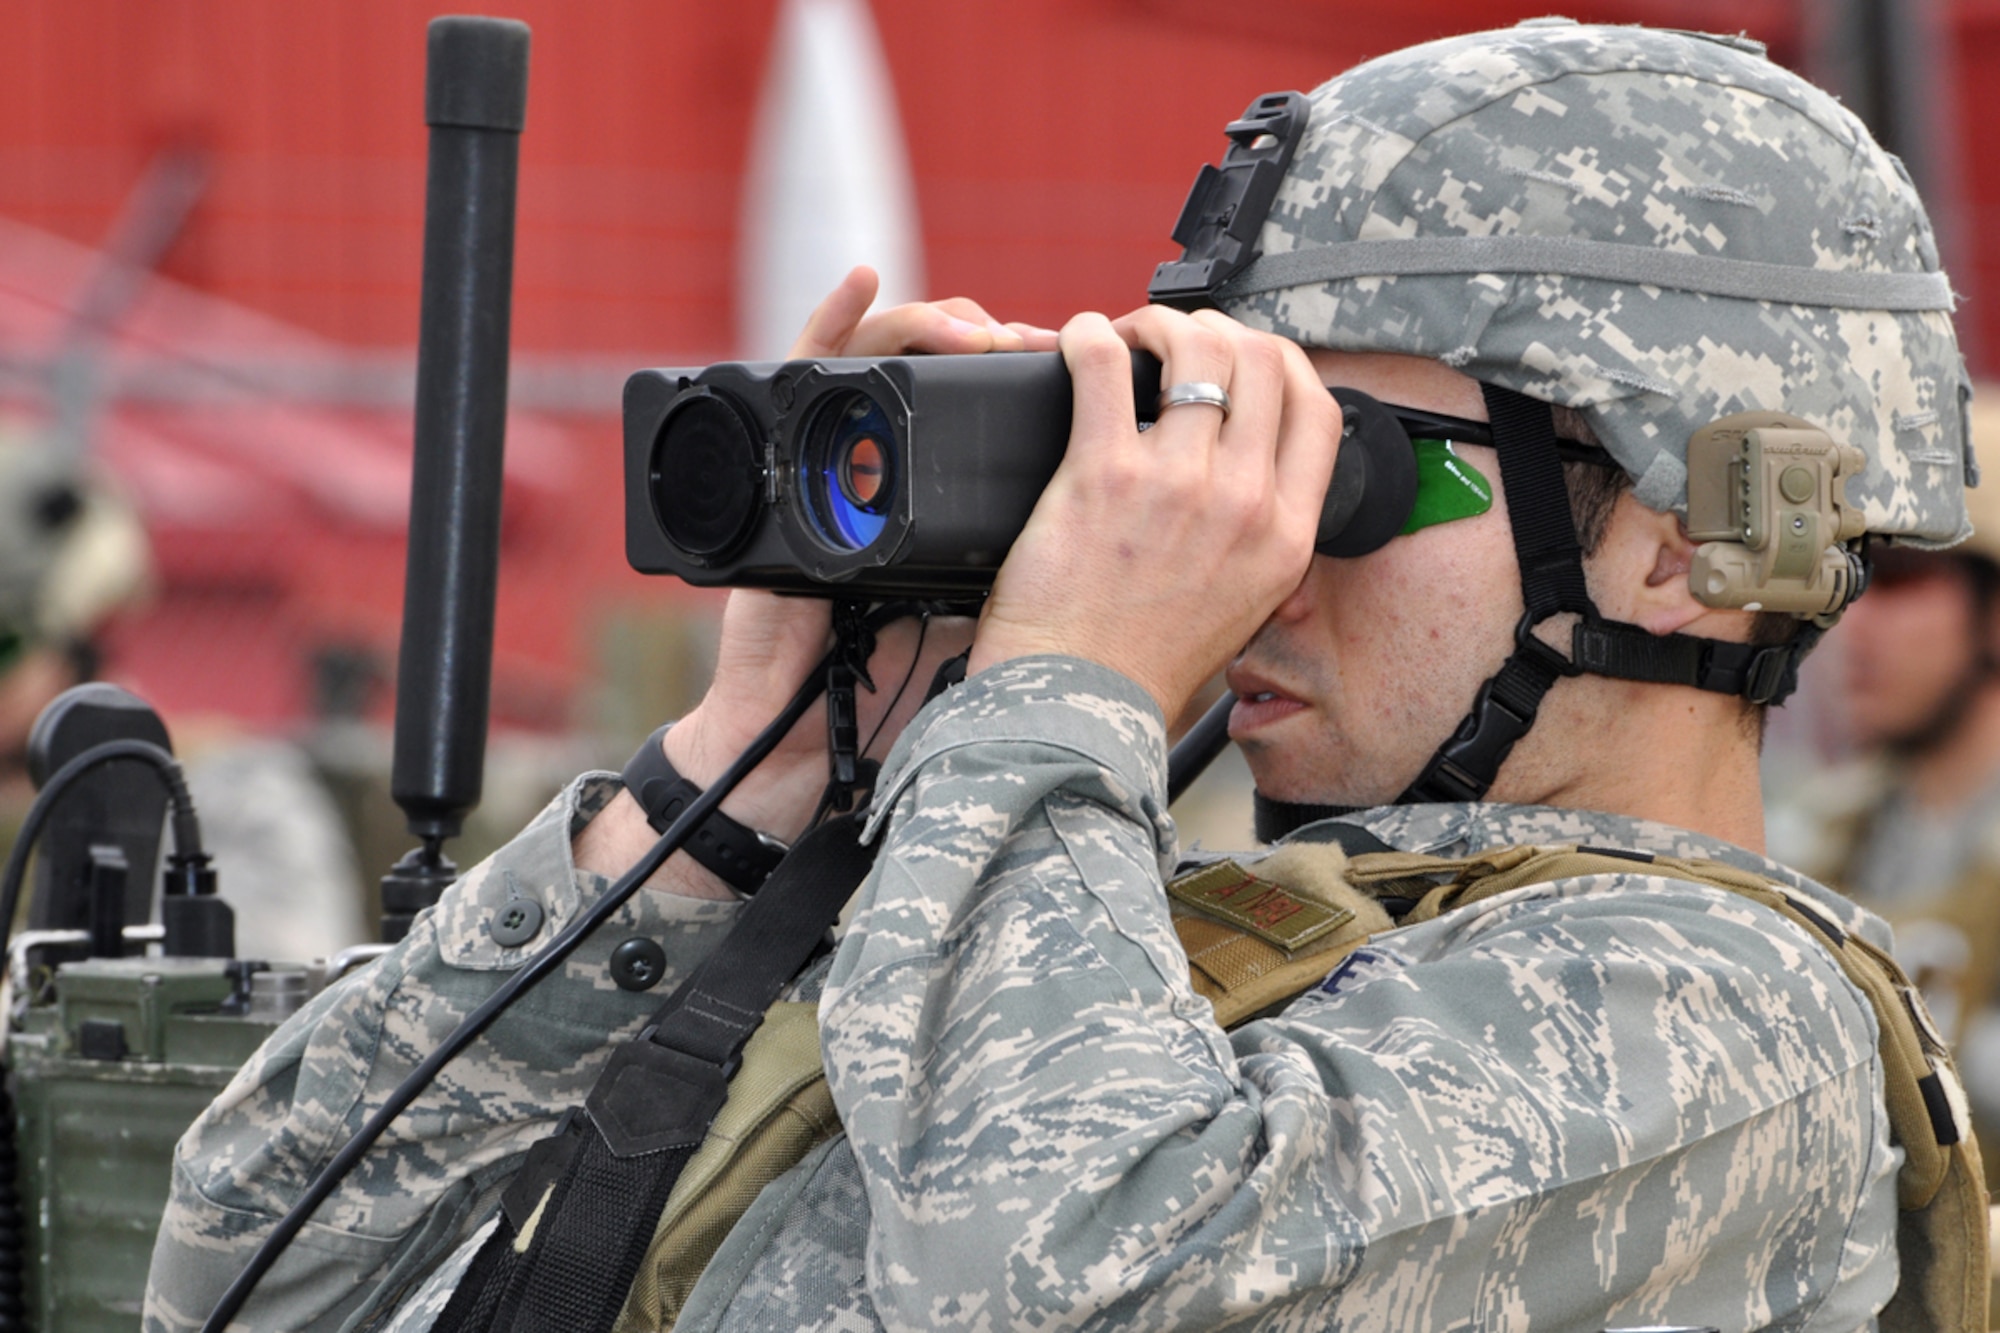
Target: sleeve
[[438, 1172], [1549, 1108]]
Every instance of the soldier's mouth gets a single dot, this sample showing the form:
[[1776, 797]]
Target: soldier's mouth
[[1259, 702]]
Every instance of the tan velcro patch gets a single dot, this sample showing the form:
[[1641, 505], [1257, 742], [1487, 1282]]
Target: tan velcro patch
[[1257, 906]]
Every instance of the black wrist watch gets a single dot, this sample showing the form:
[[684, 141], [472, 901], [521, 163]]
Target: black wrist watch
[[740, 856]]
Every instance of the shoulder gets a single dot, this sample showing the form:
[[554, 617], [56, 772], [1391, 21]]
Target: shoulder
[[1647, 962]]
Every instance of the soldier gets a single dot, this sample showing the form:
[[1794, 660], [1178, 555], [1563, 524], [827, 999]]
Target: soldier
[[71, 554], [1610, 1099], [1910, 826]]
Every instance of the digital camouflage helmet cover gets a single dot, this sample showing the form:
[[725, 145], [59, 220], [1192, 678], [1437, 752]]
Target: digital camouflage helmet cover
[[1664, 231], [1656, 228]]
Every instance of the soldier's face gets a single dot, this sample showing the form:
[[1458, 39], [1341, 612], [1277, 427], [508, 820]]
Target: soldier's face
[[1908, 646], [1354, 681]]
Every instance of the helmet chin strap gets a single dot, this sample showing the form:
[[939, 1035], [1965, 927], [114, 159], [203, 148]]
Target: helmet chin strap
[[1552, 584]]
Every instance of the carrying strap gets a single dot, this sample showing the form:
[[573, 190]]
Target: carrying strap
[[1552, 584], [578, 1218], [1551, 563], [1943, 1227]]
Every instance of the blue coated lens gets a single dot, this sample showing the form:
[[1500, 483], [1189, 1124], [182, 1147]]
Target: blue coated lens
[[847, 470]]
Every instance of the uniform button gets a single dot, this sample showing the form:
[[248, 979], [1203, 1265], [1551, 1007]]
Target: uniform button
[[517, 922], [638, 964]]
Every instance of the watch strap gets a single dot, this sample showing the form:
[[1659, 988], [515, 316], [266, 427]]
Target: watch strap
[[739, 855]]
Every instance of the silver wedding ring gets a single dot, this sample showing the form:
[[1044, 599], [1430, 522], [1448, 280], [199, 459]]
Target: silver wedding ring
[[1196, 391]]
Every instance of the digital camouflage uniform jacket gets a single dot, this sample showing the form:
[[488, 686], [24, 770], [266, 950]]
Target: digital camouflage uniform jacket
[[1610, 1100]]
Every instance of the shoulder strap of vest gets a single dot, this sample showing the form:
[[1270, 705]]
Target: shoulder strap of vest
[[1253, 943]]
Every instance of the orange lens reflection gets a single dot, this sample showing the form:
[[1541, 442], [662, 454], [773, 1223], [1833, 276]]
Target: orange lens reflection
[[861, 471]]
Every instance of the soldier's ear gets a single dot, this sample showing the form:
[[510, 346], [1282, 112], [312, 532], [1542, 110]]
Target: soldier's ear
[[1639, 574]]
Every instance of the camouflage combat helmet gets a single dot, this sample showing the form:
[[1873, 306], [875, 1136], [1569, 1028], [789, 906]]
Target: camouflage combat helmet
[[1662, 230], [1768, 254]]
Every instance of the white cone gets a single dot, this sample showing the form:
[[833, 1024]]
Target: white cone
[[829, 181]]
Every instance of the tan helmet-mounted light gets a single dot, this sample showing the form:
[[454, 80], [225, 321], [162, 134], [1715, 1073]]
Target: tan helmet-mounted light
[[1767, 500]]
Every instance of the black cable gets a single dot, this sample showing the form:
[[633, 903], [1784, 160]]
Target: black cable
[[495, 1004], [1199, 747], [881, 616], [187, 829], [916, 656]]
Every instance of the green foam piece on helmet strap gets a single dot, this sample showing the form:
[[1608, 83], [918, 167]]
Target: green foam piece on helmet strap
[[1448, 487]]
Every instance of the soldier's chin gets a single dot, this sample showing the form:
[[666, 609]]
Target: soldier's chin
[[1279, 779]]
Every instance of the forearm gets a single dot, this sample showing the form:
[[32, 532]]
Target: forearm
[[248, 1158], [1043, 1110]]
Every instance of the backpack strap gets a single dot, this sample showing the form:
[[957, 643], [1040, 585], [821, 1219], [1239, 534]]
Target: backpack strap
[[779, 1109]]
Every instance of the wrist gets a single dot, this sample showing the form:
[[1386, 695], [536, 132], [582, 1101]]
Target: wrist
[[776, 798], [611, 843]]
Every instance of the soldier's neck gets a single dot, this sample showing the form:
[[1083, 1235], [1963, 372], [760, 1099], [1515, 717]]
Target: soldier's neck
[[1673, 755]]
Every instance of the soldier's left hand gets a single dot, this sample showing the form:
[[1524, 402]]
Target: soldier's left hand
[[1159, 553]]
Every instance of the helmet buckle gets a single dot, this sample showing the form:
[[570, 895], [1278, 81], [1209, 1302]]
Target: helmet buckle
[[1530, 644], [1767, 680]]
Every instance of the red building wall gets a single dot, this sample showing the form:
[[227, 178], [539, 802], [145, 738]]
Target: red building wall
[[1051, 143], [1051, 140]]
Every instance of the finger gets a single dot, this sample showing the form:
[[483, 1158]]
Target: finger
[[1189, 353], [1308, 437], [1007, 337], [834, 321], [1034, 337], [1100, 370], [922, 327], [1243, 468], [970, 311]]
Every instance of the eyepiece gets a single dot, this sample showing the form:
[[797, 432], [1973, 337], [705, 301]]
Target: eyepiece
[[847, 469], [705, 476]]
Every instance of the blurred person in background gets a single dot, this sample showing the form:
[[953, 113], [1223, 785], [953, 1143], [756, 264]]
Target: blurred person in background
[[73, 555], [1910, 823]]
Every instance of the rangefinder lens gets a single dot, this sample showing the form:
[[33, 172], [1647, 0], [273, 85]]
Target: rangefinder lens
[[705, 476], [847, 469], [860, 471]]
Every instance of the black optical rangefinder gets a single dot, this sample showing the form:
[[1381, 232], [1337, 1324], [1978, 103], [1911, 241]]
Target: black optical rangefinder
[[901, 476]]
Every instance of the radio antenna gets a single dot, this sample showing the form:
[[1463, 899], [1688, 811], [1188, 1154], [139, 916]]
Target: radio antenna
[[475, 101]]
